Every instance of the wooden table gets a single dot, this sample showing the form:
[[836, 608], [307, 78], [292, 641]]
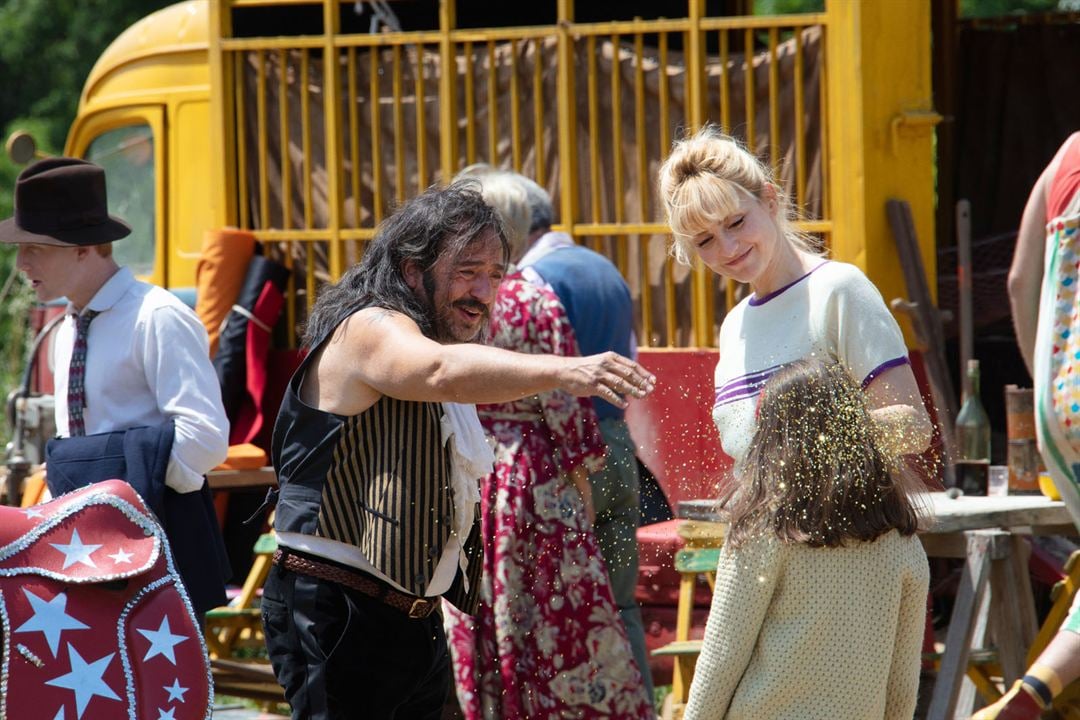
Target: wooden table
[[263, 477], [994, 596]]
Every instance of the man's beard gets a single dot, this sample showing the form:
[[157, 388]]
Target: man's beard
[[442, 317]]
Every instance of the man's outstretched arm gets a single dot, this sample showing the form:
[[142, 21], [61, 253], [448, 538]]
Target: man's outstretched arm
[[380, 352]]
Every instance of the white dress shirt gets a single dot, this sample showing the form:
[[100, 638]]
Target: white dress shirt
[[148, 360]]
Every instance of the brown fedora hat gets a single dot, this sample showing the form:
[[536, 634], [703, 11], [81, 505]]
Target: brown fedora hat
[[61, 201]]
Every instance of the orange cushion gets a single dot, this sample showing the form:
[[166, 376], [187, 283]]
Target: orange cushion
[[244, 457], [219, 274]]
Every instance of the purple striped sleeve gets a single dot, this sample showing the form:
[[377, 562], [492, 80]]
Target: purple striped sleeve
[[895, 362]]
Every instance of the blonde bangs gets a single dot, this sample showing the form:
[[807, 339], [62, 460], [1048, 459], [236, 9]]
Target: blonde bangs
[[701, 202]]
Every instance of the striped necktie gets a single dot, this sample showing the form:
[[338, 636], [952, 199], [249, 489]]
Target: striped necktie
[[76, 399]]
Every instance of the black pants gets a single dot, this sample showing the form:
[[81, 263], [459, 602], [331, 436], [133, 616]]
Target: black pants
[[340, 654]]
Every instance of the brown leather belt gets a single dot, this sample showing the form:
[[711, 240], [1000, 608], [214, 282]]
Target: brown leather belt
[[415, 607]]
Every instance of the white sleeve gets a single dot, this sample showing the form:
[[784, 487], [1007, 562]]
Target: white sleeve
[[867, 338], [176, 360], [745, 581]]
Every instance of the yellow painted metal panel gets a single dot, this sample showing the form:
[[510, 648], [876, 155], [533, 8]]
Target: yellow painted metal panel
[[188, 202], [879, 70], [88, 128]]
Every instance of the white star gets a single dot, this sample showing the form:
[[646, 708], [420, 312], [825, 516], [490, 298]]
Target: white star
[[120, 556], [176, 692], [162, 715], [162, 641], [76, 551], [85, 680], [33, 512], [50, 617]]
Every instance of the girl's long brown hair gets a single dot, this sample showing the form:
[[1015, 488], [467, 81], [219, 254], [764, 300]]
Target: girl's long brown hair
[[815, 472]]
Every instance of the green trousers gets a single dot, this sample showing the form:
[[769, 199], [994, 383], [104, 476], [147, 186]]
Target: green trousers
[[616, 491]]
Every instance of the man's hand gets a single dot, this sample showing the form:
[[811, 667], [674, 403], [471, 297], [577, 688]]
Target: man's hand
[[609, 376]]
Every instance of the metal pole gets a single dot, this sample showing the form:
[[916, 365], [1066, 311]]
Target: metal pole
[[963, 277]]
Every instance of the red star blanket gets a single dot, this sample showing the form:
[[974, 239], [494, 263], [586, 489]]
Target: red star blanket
[[96, 624]]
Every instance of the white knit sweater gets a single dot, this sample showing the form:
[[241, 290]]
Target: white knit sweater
[[805, 633]]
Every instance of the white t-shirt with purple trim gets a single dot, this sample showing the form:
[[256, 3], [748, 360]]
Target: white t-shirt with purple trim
[[832, 312]]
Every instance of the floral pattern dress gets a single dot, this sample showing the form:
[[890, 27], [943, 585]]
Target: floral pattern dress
[[547, 641]]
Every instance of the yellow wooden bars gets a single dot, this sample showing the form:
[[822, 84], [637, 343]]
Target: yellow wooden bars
[[670, 316], [515, 107], [400, 171], [354, 136], [643, 182], [594, 137], [774, 104], [800, 125], [538, 109], [566, 104], [241, 145], [703, 279], [725, 82], [448, 113], [262, 127], [492, 105], [376, 155], [421, 124], [333, 143], [618, 174], [470, 107]]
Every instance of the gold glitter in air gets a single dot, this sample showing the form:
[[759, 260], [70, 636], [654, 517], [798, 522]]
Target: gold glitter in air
[[818, 470]]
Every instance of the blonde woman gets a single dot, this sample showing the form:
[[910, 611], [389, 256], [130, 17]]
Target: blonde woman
[[726, 210]]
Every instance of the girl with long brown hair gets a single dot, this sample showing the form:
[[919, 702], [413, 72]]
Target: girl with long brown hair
[[821, 588]]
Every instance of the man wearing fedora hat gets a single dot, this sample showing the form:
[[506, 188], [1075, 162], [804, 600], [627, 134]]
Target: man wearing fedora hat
[[128, 354]]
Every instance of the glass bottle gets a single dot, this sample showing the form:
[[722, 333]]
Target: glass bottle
[[972, 437]]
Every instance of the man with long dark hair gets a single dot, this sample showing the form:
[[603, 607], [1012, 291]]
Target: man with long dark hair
[[378, 452]]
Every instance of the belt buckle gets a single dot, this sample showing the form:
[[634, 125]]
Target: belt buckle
[[420, 609]]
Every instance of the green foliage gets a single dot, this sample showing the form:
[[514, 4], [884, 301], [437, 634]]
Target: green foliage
[[787, 7], [1001, 8], [47, 48], [968, 8], [15, 297]]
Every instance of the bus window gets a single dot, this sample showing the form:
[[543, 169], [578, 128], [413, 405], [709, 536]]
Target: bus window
[[127, 154]]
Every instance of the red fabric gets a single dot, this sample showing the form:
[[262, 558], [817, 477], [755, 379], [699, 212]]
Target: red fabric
[[250, 416], [673, 428], [1066, 182], [111, 634], [547, 634]]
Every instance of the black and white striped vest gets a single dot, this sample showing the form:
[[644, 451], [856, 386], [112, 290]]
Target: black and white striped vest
[[379, 481]]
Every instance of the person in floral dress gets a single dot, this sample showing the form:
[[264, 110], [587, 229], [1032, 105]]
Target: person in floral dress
[[547, 641]]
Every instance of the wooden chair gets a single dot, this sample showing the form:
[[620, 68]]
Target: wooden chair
[[239, 624], [698, 559], [1067, 704], [234, 637]]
